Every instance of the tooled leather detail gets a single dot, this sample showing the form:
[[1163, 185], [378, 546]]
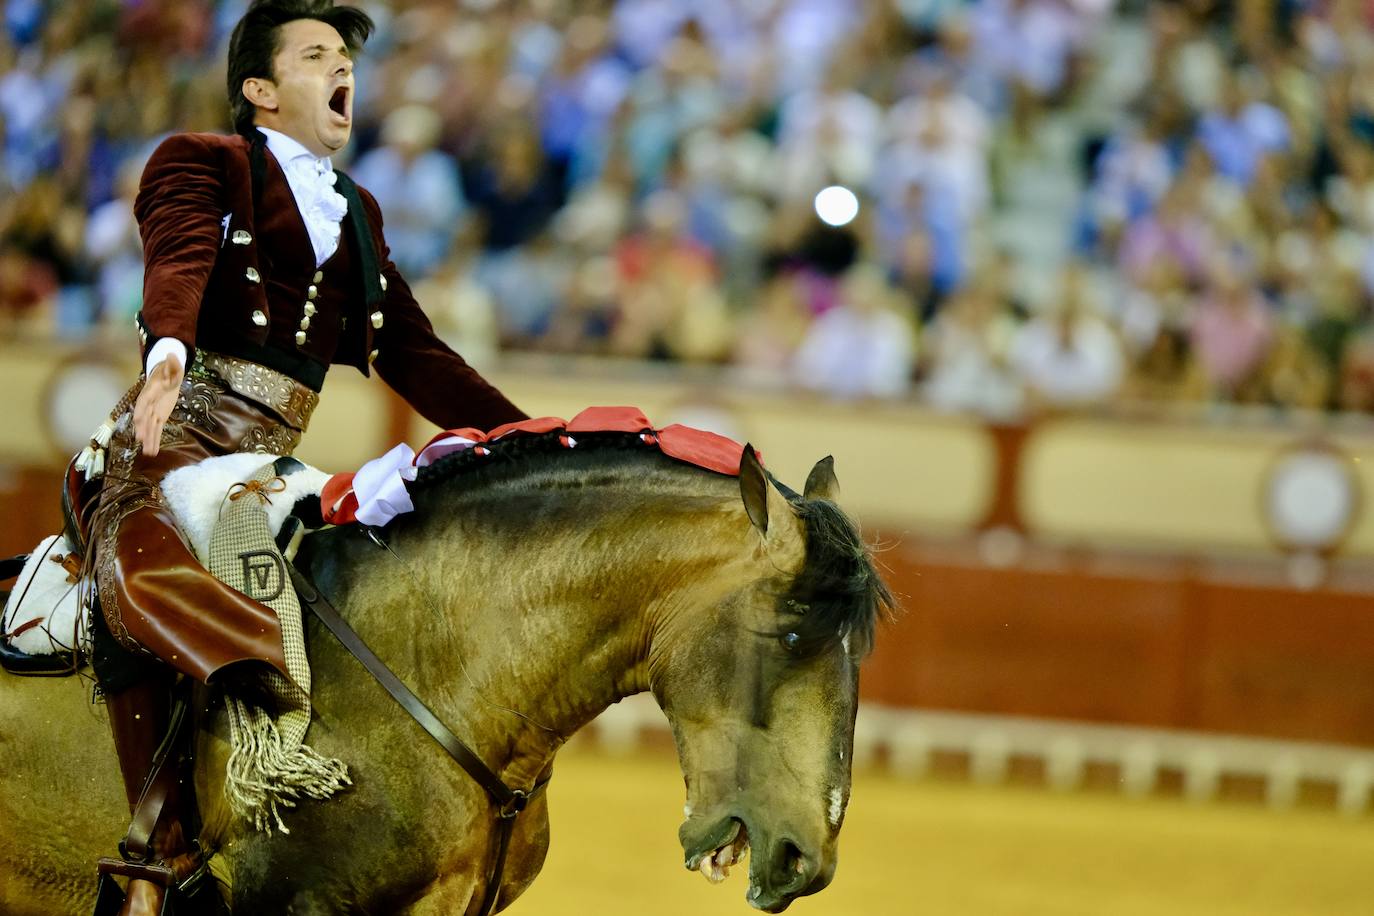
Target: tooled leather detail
[[270, 440], [196, 403], [107, 585], [291, 400]]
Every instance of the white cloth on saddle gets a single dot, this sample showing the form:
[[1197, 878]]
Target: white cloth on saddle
[[44, 605], [48, 608]]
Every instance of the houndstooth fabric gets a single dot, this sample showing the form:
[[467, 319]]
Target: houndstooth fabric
[[270, 766]]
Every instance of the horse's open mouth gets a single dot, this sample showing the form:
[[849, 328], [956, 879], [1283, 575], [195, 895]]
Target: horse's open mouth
[[716, 860]]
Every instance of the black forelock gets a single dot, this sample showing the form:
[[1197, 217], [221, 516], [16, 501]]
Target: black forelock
[[254, 43], [838, 594]]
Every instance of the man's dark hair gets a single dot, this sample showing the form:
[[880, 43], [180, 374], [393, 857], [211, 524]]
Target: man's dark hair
[[255, 42]]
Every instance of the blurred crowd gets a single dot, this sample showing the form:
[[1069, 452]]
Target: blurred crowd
[[639, 179]]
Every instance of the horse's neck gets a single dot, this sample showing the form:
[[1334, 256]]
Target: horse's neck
[[519, 638]]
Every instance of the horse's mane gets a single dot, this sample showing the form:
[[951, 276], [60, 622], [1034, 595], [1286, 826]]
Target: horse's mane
[[837, 596], [525, 454]]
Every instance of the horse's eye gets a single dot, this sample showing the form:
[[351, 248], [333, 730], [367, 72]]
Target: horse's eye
[[790, 641]]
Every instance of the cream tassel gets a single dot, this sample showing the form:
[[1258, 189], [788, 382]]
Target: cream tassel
[[91, 461]]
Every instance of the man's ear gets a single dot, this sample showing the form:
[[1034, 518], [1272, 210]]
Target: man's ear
[[261, 93]]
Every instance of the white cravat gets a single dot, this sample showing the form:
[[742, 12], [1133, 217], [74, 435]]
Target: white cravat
[[312, 184], [322, 209]]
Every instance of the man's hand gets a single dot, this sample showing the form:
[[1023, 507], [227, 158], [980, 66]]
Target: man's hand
[[155, 403]]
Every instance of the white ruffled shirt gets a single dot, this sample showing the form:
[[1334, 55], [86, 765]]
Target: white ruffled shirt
[[322, 209]]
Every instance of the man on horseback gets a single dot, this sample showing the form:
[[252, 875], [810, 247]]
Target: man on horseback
[[263, 267]]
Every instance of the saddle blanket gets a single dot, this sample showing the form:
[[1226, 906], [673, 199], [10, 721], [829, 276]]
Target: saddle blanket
[[42, 614]]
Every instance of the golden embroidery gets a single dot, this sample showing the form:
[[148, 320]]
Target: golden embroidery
[[291, 400]]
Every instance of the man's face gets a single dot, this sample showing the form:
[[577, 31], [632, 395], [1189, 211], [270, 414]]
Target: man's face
[[311, 99]]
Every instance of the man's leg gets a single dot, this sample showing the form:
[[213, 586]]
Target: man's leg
[[138, 699]]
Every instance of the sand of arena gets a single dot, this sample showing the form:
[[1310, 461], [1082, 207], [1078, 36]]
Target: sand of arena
[[937, 846]]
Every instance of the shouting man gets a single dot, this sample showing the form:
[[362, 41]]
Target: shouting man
[[263, 267]]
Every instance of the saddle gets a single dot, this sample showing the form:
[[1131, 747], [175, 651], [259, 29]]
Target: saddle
[[79, 497]]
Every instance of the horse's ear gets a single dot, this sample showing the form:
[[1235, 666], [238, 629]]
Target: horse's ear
[[821, 482], [753, 487]]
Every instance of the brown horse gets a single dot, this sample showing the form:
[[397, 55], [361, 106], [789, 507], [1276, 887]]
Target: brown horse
[[530, 589]]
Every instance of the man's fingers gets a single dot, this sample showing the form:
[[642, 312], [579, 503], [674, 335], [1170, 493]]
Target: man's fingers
[[155, 402], [153, 442]]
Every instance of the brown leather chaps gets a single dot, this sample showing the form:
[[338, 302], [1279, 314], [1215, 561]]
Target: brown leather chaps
[[156, 597]]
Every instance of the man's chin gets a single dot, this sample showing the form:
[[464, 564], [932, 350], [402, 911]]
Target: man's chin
[[335, 141]]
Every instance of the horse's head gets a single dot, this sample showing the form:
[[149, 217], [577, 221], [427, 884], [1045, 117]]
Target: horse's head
[[762, 688]]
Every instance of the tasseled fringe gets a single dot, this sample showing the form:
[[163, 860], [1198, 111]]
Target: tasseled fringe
[[91, 461], [264, 776]]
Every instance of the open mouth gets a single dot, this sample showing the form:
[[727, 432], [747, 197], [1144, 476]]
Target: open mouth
[[728, 850], [338, 104]]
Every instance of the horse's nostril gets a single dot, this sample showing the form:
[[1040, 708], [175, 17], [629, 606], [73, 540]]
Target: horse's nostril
[[792, 864]]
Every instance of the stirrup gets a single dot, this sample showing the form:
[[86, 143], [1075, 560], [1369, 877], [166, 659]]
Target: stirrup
[[109, 897], [194, 895]]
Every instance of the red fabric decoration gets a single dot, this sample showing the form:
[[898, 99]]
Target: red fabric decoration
[[534, 425], [610, 420], [702, 448], [338, 505]]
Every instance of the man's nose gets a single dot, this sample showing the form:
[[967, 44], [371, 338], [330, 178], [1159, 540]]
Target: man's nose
[[344, 67]]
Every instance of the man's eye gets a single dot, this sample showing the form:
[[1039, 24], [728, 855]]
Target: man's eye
[[315, 56]]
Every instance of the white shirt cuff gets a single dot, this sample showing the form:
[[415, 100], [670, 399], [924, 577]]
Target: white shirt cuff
[[165, 346]]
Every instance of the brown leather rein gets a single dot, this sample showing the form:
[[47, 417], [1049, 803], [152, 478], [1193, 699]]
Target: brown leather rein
[[509, 802]]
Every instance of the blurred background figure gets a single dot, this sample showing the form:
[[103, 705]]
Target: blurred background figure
[[417, 186]]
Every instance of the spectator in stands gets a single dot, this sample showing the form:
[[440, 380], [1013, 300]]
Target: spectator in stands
[[940, 137], [1242, 128], [115, 251], [1134, 170], [1175, 232], [417, 187], [669, 304], [1068, 357], [828, 135], [864, 347], [768, 337], [1232, 331], [1294, 375], [965, 353]]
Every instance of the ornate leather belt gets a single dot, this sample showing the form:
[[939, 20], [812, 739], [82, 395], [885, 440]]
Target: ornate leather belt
[[276, 391]]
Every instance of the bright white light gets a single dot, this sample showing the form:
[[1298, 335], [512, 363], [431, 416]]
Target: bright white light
[[837, 205]]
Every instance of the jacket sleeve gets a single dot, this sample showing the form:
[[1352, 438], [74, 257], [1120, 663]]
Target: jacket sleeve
[[179, 209], [420, 367]]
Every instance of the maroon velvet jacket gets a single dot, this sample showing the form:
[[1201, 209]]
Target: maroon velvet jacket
[[221, 277]]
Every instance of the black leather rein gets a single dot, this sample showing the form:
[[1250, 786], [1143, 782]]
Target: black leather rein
[[509, 802]]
